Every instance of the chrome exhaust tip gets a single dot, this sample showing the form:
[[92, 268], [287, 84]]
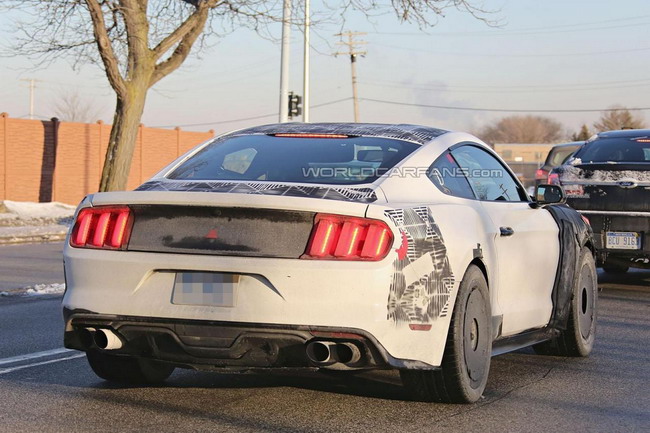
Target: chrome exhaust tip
[[86, 337], [107, 339], [348, 353], [322, 352]]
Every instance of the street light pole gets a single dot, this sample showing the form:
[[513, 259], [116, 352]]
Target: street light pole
[[284, 61], [305, 79]]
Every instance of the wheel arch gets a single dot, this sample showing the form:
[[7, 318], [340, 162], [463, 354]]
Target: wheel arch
[[479, 264], [590, 244]]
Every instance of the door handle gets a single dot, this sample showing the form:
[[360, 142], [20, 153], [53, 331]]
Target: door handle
[[506, 231]]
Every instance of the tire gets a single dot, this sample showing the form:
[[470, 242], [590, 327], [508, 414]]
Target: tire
[[127, 369], [578, 339], [465, 363]]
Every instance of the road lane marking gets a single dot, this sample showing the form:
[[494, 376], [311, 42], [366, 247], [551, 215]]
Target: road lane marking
[[35, 355], [36, 364]]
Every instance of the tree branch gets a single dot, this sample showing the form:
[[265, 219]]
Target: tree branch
[[105, 48], [176, 59], [184, 29]]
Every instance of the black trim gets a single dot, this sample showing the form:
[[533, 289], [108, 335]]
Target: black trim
[[573, 235], [144, 330], [525, 339], [525, 198], [407, 132]]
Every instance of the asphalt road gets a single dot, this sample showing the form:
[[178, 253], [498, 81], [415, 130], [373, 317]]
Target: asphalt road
[[28, 264], [56, 390]]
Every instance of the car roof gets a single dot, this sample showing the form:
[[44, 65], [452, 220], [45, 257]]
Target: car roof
[[413, 133], [625, 133], [572, 144]]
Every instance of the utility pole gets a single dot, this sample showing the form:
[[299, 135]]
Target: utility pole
[[32, 87], [284, 61], [352, 46], [305, 74]]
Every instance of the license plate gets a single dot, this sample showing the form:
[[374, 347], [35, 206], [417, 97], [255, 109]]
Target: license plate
[[205, 288], [623, 241]]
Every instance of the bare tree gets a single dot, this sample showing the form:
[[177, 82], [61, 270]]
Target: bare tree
[[583, 135], [70, 107], [139, 42], [523, 129], [618, 117]]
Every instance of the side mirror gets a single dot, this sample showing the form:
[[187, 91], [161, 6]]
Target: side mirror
[[549, 194]]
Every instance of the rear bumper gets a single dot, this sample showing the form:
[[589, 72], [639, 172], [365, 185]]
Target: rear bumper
[[603, 222], [279, 292], [209, 345]]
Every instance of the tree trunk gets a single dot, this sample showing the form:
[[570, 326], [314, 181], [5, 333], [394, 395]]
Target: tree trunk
[[121, 144]]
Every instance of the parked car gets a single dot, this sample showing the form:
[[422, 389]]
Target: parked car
[[329, 246], [556, 157], [608, 181]]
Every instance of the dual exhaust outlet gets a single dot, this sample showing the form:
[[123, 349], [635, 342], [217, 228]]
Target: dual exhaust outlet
[[105, 339], [321, 353], [328, 352]]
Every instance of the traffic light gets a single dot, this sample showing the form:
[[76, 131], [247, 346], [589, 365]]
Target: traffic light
[[295, 108]]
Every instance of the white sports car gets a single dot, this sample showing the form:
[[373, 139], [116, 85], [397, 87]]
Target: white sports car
[[331, 246]]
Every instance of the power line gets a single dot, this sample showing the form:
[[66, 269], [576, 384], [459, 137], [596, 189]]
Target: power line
[[529, 86], [500, 110], [535, 90], [531, 31], [242, 119], [219, 122], [593, 53]]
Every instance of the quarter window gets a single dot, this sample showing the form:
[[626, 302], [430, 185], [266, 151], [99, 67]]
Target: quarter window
[[449, 178], [487, 176]]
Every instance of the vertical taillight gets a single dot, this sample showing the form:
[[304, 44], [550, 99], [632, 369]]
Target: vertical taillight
[[102, 227], [336, 237], [553, 179]]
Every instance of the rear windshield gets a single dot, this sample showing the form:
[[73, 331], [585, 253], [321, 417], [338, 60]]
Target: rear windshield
[[559, 155], [615, 150], [348, 161]]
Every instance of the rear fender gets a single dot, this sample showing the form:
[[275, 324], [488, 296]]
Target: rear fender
[[430, 256]]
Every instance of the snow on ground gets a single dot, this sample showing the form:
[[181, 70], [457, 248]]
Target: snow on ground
[[37, 290], [29, 210], [34, 222]]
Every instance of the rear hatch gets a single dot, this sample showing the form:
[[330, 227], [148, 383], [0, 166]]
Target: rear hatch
[[613, 187], [616, 199], [223, 224], [253, 194]]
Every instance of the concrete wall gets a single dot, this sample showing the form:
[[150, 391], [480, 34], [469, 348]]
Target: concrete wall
[[62, 161]]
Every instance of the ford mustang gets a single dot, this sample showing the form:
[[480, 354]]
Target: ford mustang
[[330, 246]]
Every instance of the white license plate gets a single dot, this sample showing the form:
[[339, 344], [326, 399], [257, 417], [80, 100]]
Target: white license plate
[[623, 241], [205, 288]]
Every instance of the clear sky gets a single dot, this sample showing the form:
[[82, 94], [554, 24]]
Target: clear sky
[[547, 55]]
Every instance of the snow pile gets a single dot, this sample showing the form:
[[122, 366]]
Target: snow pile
[[37, 290], [575, 174], [34, 222], [45, 289], [29, 210]]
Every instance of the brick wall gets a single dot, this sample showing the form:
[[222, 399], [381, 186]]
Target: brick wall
[[39, 164]]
